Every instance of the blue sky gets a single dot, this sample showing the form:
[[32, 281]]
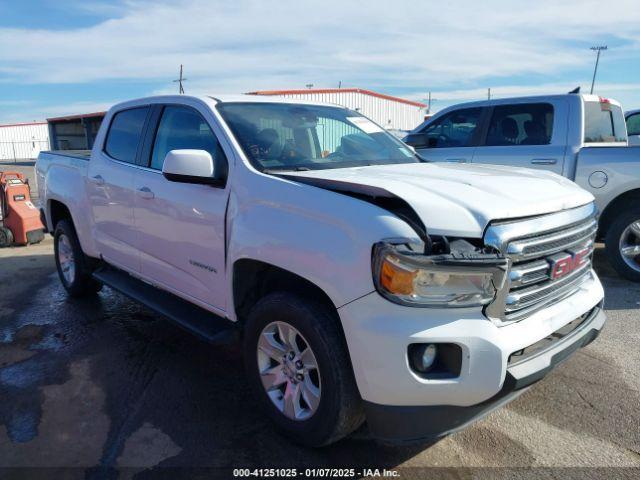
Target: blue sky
[[60, 57]]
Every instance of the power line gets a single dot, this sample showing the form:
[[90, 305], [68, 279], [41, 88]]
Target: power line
[[180, 80], [598, 49]]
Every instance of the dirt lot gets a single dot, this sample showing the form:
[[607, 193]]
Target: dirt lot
[[106, 388]]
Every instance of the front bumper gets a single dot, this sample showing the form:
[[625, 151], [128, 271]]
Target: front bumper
[[406, 424], [401, 405]]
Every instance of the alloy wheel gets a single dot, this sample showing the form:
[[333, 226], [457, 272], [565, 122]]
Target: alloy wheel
[[630, 245], [289, 371], [66, 259]]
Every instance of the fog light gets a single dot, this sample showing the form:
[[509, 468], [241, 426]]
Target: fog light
[[435, 360], [429, 356], [424, 356]]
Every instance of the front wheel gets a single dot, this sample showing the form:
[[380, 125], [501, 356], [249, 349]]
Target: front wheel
[[71, 262], [299, 369], [623, 244]]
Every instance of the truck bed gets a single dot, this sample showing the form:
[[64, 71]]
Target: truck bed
[[616, 168], [82, 154], [61, 176]]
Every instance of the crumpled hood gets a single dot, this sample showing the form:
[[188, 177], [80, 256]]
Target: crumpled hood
[[461, 200]]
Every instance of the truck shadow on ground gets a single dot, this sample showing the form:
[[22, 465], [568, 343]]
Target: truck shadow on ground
[[614, 282]]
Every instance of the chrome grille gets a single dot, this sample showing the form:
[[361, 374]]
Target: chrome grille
[[530, 285], [539, 246]]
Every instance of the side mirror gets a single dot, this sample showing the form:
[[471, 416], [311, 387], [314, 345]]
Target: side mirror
[[189, 166], [417, 140]]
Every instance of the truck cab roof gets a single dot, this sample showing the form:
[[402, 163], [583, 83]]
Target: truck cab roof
[[221, 98], [532, 99]]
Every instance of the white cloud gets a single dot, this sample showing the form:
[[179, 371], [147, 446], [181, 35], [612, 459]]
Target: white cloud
[[251, 44], [243, 45]]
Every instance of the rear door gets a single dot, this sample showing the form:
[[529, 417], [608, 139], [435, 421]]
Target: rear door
[[110, 188], [452, 137], [181, 226], [531, 135]]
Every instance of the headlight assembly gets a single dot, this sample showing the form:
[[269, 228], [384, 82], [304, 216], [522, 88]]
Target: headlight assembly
[[447, 280]]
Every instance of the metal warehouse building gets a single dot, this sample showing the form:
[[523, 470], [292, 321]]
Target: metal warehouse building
[[23, 141], [388, 111], [74, 132]]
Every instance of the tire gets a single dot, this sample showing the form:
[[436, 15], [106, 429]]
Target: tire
[[72, 264], [6, 237], [621, 233], [339, 409]]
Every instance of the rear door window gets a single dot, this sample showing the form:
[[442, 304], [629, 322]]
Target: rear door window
[[521, 124], [125, 133], [633, 124], [454, 129], [603, 123]]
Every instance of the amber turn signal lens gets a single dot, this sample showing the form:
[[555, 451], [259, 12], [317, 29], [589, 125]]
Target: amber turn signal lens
[[396, 279]]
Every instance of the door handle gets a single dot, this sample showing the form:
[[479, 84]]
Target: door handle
[[544, 161], [456, 160], [145, 192], [97, 179]]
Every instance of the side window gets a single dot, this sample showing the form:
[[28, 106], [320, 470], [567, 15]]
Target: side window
[[455, 129], [633, 124], [521, 124], [184, 128], [125, 133]]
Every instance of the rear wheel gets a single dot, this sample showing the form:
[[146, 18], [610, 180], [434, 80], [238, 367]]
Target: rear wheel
[[72, 264], [623, 244], [299, 369]]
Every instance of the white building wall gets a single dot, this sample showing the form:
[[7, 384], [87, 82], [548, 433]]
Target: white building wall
[[23, 141], [387, 113]]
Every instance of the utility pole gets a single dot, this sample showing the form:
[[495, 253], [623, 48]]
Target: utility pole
[[309, 86], [180, 80], [429, 100], [598, 49], [489, 93]]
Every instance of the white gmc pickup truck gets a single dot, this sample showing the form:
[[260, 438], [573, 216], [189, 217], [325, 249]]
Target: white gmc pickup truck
[[364, 282]]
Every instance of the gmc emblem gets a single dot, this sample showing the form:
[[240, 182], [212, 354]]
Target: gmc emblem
[[564, 263]]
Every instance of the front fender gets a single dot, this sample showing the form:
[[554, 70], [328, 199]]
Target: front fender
[[322, 236]]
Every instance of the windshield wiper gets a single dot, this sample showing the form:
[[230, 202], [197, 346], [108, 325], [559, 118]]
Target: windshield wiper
[[293, 169]]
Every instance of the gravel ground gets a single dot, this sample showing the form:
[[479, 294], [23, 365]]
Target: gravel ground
[[102, 388]]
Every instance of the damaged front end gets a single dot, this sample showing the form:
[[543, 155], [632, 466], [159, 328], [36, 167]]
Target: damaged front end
[[434, 272], [442, 273]]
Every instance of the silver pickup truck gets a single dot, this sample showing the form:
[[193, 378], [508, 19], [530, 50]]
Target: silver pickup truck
[[581, 137]]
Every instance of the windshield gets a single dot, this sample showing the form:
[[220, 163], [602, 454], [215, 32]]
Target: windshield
[[284, 136], [603, 123]]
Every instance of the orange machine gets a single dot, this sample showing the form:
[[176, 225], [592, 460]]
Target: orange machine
[[20, 221]]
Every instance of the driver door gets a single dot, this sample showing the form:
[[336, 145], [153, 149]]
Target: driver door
[[181, 234], [452, 137]]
